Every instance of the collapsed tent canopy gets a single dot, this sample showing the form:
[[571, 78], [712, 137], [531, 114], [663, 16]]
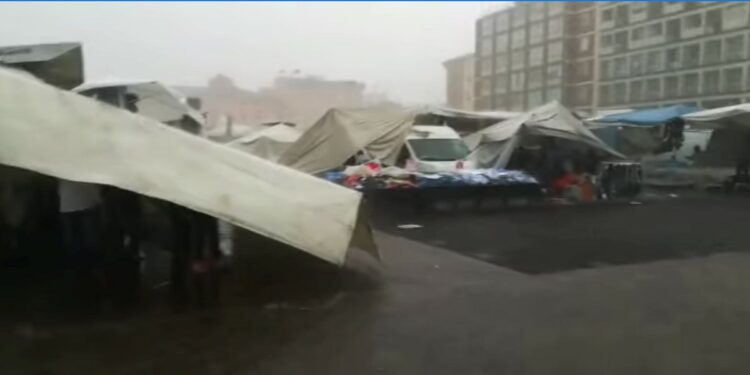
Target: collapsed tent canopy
[[68, 136], [464, 122], [152, 99], [342, 133], [492, 147], [268, 143], [648, 117]]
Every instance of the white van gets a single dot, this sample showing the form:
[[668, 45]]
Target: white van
[[432, 149]]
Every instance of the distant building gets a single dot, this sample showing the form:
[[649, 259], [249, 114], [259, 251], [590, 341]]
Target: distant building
[[603, 55], [300, 100], [459, 84]]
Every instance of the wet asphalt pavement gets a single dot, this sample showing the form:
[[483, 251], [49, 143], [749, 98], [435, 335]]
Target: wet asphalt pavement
[[657, 288]]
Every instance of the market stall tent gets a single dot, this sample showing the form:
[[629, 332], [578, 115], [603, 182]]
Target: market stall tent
[[65, 135], [730, 138], [268, 143], [492, 147], [342, 133]]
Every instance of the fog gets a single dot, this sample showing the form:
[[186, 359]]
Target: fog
[[395, 48]]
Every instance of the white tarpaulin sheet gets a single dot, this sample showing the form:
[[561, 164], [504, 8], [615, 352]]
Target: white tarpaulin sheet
[[341, 133], [65, 135], [268, 143], [492, 147], [724, 117]]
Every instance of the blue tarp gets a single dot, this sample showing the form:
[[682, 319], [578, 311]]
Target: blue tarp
[[649, 117]]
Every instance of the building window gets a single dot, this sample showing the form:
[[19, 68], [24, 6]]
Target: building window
[[486, 26], [484, 87], [607, 41], [636, 91], [673, 58], [501, 63], [485, 67], [621, 15], [672, 86], [536, 56], [711, 82], [655, 9], [584, 21], [653, 89], [485, 47], [621, 67], [673, 30], [712, 51], [554, 52], [501, 43], [621, 92], [501, 83], [554, 74], [536, 11], [518, 38], [654, 61], [584, 44], [654, 30], [501, 22], [604, 97], [555, 28], [691, 55], [582, 70], [735, 47], [518, 60], [555, 8], [692, 25], [637, 64], [536, 76], [534, 99], [690, 84], [519, 15], [583, 95], [637, 12], [608, 15], [713, 21], [605, 69], [536, 32], [621, 41], [637, 34], [733, 79], [735, 16], [552, 93], [517, 81]]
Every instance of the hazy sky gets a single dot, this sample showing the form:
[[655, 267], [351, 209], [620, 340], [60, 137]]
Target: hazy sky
[[397, 48]]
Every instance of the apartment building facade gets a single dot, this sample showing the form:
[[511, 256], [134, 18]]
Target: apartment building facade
[[594, 56], [459, 84]]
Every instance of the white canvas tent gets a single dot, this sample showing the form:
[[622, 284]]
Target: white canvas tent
[[724, 117], [341, 133], [268, 143], [730, 138], [492, 147], [65, 135], [155, 100]]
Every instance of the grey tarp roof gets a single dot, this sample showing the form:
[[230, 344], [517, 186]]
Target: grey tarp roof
[[341, 133], [68, 136], [493, 146]]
